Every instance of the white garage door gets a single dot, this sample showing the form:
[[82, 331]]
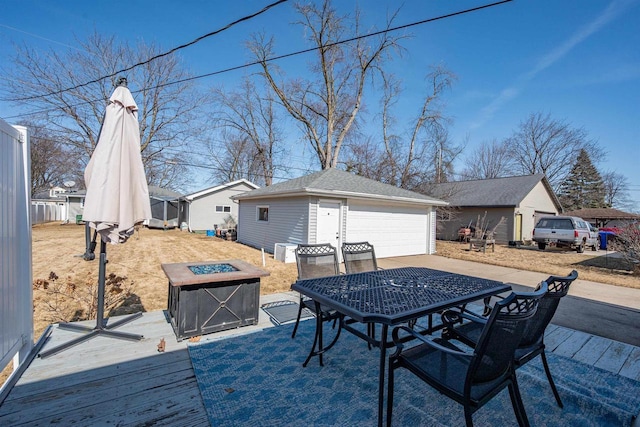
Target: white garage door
[[393, 230]]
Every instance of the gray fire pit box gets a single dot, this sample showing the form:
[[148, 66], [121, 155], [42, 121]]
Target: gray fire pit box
[[212, 296]]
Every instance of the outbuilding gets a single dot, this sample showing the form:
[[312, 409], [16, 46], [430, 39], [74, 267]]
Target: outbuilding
[[333, 206], [520, 200], [210, 208]]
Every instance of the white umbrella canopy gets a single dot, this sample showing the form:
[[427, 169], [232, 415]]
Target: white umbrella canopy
[[117, 194]]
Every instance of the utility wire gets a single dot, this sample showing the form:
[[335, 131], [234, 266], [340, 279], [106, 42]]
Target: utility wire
[[169, 52], [271, 59]]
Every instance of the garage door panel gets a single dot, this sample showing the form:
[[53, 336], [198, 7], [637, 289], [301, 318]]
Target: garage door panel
[[394, 231]]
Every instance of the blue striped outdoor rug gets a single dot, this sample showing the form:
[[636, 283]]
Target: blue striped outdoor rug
[[258, 380]]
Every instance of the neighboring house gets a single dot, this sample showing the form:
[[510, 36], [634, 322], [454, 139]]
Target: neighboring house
[[164, 208], [209, 208], [604, 217], [58, 204], [521, 200], [333, 206]]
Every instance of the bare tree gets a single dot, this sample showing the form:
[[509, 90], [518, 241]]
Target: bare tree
[[616, 191], [542, 144], [489, 160], [422, 154], [251, 118], [51, 162], [54, 86], [326, 108], [233, 158]]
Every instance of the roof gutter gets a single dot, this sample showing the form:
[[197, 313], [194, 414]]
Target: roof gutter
[[338, 193]]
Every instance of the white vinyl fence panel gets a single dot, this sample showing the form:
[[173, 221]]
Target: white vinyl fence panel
[[16, 297]]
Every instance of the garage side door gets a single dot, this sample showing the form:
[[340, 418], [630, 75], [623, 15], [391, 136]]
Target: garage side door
[[393, 230]]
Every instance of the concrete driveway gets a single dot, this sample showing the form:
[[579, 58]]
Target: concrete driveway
[[595, 308]]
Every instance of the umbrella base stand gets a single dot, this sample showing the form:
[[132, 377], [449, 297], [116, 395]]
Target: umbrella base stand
[[101, 327]]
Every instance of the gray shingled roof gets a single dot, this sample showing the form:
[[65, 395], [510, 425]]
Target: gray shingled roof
[[163, 193], [496, 192], [336, 183]]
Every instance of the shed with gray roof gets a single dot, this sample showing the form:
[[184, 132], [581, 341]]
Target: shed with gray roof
[[521, 200], [333, 206]]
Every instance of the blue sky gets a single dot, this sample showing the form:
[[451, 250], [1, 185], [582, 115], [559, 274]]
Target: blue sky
[[577, 60]]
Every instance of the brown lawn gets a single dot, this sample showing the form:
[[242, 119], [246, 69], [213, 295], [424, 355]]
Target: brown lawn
[[597, 266], [59, 249]]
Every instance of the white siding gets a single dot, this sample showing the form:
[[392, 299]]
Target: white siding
[[537, 202], [431, 246], [202, 210], [288, 222], [16, 314], [393, 230]]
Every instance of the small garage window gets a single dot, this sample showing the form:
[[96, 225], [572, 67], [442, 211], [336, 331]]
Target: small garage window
[[223, 208], [263, 213]]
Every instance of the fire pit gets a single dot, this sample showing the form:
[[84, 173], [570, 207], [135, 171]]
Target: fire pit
[[212, 296]]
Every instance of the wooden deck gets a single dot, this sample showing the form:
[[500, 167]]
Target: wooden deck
[[108, 381]]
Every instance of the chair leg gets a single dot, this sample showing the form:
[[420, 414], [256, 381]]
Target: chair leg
[[295, 328], [468, 416], [551, 383], [516, 402]]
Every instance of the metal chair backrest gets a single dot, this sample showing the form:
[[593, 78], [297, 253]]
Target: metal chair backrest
[[359, 257], [493, 355], [316, 260], [557, 288]]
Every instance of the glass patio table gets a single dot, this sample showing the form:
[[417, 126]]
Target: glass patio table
[[389, 297]]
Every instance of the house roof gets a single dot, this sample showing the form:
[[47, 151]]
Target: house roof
[[163, 193], [603, 214], [336, 183], [220, 188], [496, 192]]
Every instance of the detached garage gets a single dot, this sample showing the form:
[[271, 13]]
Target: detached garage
[[334, 206]]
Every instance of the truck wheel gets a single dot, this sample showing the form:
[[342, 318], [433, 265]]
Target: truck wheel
[[580, 248], [541, 246]]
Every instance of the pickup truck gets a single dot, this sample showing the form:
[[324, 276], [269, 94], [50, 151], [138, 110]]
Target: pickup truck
[[565, 231]]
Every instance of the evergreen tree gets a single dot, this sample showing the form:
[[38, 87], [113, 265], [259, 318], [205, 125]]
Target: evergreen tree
[[584, 187]]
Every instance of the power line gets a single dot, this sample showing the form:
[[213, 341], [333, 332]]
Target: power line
[[169, 52], [274, 58]]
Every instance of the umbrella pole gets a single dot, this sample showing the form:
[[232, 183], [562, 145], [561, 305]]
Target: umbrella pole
[[90, 245], [101, 327]]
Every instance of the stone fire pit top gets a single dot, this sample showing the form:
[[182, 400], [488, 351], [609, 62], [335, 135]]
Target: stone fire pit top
[[180, 274]]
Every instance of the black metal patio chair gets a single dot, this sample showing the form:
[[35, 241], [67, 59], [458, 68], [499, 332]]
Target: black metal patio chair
[[315, 260], [359, 257], [471, 379], [532, 343]]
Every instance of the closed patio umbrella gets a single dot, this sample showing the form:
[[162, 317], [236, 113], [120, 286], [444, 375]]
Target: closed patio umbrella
[[117, 199], [117, 194]]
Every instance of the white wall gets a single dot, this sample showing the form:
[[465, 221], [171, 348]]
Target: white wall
[[16, 297], [288, 222], [202, 210], [537, 203], [393, 230]]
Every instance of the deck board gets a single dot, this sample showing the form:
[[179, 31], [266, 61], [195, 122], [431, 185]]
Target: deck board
[[614, 357], [108, 381], [572, 344], [592, 350], [631, 367]]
